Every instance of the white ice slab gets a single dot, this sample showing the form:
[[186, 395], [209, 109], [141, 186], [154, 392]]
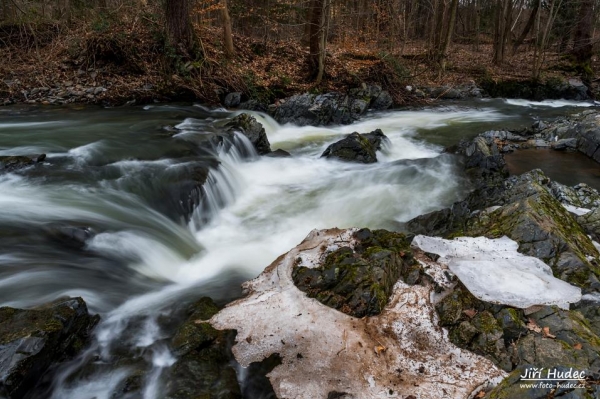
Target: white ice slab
[[493, 271]]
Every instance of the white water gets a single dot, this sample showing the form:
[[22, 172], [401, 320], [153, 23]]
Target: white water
[[254, 210]]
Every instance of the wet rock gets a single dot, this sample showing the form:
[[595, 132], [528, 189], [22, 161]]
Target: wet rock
[[324, 351], [11, 163], [552, 88], [232, 100], [580, 131], [279, 153], [526, 212], [253, 130], [203, 367], [331, 108], [32, 340], [356, 148], [70, 236], [564, 144], [548, 337], [254, 105], [376, 138], [358, 281]]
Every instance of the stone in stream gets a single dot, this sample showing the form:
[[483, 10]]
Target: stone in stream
[[204, 366], [331, 108], [356, 147], [253, 130], [32, 340], [11, 163]]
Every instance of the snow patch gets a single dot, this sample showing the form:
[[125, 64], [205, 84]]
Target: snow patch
[[576, 210], [399, 353], [493, 271]]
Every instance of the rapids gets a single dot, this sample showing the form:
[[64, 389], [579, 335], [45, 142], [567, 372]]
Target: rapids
[[109, 171]]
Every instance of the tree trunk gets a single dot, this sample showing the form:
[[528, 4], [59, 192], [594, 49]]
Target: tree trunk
[[448, 35], [180, 35], [528, 26], [227, 36], [583, 45], [317, 40]]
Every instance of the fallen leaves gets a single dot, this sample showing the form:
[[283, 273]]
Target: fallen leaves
[[545, 331], [532, 326]]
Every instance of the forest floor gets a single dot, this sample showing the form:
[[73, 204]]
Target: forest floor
[[119, 64]]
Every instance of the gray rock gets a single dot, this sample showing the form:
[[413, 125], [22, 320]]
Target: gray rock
[[232, 100], [564, 144], [11, 163]]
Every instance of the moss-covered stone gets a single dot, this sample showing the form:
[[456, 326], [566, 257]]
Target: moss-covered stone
[[359, 281], [354, 148], [32, 340], [203, 368]]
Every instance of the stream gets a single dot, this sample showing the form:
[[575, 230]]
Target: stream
[[111, 176]]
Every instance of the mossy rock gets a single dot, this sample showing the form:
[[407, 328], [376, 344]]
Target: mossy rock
[[203, 368], [354, 148], [33, 340], [501, 333], [544, 229], [359, 281]]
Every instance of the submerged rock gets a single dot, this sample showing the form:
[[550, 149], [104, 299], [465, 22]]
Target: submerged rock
[[356, 147], [32, 340], [253, 130], [326, 353], [17, 162]]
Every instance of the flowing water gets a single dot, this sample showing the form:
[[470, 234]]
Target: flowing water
[[114, 177]]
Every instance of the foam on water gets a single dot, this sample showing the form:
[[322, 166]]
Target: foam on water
[[549, 103]]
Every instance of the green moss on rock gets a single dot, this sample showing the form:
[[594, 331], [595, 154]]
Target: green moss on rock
[[359, 281]]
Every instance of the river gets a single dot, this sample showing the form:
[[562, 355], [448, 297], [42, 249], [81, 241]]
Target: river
[[112, 174]]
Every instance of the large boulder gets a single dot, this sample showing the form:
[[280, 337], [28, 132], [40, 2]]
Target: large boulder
[[358, 280], [356, 147], [331, 108], [253, 130], [33, 340]]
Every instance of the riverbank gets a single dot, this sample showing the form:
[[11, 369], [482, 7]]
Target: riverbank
[[127, 64]]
